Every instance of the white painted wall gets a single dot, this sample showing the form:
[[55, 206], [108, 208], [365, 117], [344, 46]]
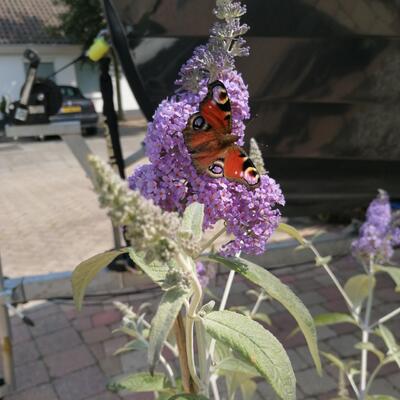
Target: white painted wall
[[12, 74]]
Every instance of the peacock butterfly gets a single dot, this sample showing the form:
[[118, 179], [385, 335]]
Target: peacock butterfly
[[211, 144]]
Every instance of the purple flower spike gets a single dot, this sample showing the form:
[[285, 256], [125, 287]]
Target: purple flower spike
[[172, 181], [378, 234]]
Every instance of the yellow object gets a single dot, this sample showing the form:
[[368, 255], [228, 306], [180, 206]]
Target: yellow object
[[98, 49]]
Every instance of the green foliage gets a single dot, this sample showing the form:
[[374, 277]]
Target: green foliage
[[292, 232], [167, 311], [85, 272], [140, 382], [358, 287], [393, 272], [136, 344], [371, 348], [82, 20], [257, 346], [280, 292], [155, 270], [192, 222], [390, 342], [186, 396], [231, 365]]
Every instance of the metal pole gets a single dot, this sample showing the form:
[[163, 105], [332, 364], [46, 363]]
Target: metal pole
[[5, 338]]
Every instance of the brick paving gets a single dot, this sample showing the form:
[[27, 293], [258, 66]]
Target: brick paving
[[69, 355]]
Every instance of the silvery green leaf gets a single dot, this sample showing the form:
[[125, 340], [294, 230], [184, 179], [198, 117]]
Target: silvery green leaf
[[390, 342], [232, 365], [393, 272], [140, 382], [334, 360], [257, 346], [137, 344], [85, 272], [248, 388], [292, 232], [192, 221], [280, 292], [187, 396], [358, 288], [161, 324], [371, 348], [156, 270]]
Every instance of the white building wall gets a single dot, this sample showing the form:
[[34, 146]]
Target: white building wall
[[12, 74]]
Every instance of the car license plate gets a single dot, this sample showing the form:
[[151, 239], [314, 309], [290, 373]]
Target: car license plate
[[71, 109]]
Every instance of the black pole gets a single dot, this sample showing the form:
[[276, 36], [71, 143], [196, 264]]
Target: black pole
[[106, 88]]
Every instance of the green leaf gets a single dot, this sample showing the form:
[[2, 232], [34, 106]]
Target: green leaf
[[394, 273], [248, 388], [280, 292], [333, 318], [140, 382], [329, 319], [136, 344], [85, 272], [370, 347], [166, 314], [358, 288], [186, 396], [193, 221], [262, 317], [155, 270], [292, 232], [233, 365], [334, 360], [257, 346], [390, 342]]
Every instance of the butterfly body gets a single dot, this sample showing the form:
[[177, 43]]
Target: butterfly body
[[211, 144]]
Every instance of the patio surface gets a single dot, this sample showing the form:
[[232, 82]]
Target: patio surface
[[69, 355]]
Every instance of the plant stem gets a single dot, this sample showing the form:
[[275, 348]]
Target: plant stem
[[202, 354], [168, 370], [179, 329], [365, 338], [212, 240], [385, 318], [261, 297], [228, 287], [214, 387], [334, 280], [373, 376], [353, 385]]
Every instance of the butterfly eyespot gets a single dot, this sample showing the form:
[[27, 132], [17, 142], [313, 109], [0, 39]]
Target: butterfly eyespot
[[216, 169], [220, 95], [198, 122]]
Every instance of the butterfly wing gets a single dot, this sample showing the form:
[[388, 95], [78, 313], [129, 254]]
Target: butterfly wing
[[210, 142]]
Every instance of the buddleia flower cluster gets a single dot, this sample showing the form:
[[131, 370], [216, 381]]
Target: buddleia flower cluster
[[171, 180], [148, 228], [379, 233]]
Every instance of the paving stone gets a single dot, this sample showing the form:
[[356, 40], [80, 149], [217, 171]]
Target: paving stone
[[82, 323], [111, 366], [40, 309], [59, 341], [42, 392], [384, 386], [112, 345], [311, 298], [106, 317], [61, 364], [97, 350], [344, 345], [20, 333], [25, 352], [81, 384], [51, 323], [312, 384], [96, 335], [297, 361], [105, 396], [31, 374], [133, 361]]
